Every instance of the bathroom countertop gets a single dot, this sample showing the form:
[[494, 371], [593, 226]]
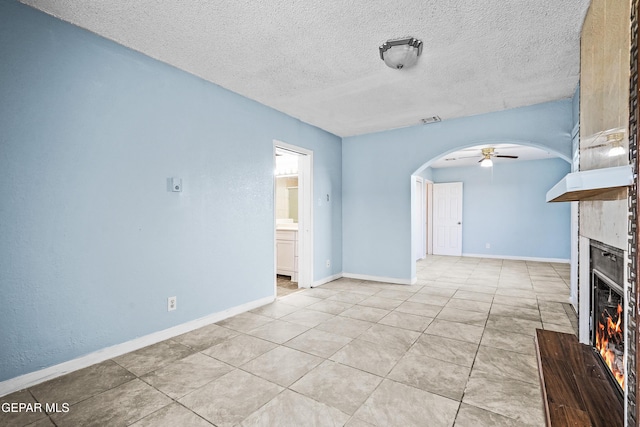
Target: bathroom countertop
[[287, 226]]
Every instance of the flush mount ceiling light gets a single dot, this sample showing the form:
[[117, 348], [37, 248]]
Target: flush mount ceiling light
[[401, 53]]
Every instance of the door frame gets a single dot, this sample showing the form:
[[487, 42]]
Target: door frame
[[419, 219], [428, 186], [305, 214]]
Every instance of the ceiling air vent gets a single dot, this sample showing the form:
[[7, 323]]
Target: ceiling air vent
[[432, 119]]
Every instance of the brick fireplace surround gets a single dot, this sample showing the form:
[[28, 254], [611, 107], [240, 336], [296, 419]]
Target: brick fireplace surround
[[633, 338], [634, 242]]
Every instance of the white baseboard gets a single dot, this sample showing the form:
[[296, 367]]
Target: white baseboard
[[32, 378], [381, 279], [519, 258], [326, 280]]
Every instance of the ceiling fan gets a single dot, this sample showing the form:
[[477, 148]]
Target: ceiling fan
[[487, 154]]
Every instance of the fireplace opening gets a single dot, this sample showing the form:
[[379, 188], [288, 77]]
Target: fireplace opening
[[609, 328], [607, 316]]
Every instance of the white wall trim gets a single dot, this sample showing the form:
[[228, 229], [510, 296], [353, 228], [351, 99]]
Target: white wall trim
[[32, 378], [429, 186], [412, 281], [418, 218], [519, 258], [326, 280]]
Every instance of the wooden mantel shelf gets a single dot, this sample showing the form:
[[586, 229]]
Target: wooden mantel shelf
[[576, 389]]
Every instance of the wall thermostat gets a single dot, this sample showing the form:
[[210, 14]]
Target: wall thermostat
[[176, 184]]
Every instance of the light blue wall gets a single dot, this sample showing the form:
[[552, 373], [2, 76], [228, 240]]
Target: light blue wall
[[93, 242], [575, 103], [505, 207], [377, 167], [426, 173]]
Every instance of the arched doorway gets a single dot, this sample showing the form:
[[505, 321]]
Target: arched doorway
[[491, 228]]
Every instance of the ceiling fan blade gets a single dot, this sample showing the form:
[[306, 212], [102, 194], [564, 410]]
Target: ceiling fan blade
[[459, 158], [506, 157]]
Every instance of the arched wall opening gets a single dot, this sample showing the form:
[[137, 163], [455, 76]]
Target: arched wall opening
[[513, 199], [377, 170], [474, 143]]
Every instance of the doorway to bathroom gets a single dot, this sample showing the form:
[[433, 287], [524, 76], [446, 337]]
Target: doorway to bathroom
[[293, 218]]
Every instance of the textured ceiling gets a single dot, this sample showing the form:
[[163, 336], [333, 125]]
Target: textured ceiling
[[318, 60]]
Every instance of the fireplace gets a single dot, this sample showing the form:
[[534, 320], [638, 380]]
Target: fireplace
[[607, 309]]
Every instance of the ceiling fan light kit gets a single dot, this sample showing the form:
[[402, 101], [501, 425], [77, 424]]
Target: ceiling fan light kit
[[487, 154], [486, 162], [401, 53]]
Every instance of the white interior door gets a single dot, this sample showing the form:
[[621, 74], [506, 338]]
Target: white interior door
[[447, 219]]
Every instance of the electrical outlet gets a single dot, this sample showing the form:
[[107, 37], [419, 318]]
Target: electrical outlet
[[328, 263], [172, 303], [488, 246]]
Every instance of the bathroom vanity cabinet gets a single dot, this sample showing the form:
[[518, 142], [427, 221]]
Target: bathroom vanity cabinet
[[287, 249]]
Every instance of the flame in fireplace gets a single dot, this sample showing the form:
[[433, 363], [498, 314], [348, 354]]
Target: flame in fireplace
[[609, 334]]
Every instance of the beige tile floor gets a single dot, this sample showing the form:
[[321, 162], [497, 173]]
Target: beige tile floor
[[456, 349], [285, 286]]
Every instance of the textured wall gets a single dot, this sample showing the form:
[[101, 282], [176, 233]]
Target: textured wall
[[505, 206], [93, 242]]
